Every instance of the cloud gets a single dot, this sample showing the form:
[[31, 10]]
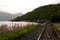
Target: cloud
[[14, 6]]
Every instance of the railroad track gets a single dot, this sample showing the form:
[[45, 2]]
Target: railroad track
[[48, 33]]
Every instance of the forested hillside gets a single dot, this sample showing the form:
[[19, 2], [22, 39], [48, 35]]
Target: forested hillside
[[50, 12]]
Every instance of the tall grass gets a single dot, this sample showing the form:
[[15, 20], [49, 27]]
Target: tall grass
[[16, 32]]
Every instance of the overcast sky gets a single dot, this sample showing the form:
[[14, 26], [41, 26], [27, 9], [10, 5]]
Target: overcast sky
[[23, 6]]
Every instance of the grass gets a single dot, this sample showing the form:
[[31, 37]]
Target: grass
[[16, 32], [57, 27]]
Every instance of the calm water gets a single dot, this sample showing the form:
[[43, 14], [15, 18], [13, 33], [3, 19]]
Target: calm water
[[10, 23]]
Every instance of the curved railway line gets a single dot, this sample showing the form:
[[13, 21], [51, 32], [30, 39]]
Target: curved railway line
[[48, 33]]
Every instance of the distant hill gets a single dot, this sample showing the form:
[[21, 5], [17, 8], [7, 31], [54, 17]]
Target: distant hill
[[4, 16], [49, 12], [16, 15]]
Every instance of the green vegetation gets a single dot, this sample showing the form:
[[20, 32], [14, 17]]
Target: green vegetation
[[50, 12], [57, 26], [16, 32]]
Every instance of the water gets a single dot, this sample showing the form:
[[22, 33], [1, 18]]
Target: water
[[13, 23]]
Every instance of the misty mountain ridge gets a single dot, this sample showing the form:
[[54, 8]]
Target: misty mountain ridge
[[4, 16]]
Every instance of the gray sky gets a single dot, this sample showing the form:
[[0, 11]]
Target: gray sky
[[23, 6]]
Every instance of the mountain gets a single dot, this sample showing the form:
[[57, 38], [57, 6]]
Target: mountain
[[16, 15], [47, 12], [4, 16]]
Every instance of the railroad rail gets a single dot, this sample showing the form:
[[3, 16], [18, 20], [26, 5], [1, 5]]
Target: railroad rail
[[48, 33]]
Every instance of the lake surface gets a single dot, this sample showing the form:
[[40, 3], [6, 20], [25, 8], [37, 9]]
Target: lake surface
[[12, 23]]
